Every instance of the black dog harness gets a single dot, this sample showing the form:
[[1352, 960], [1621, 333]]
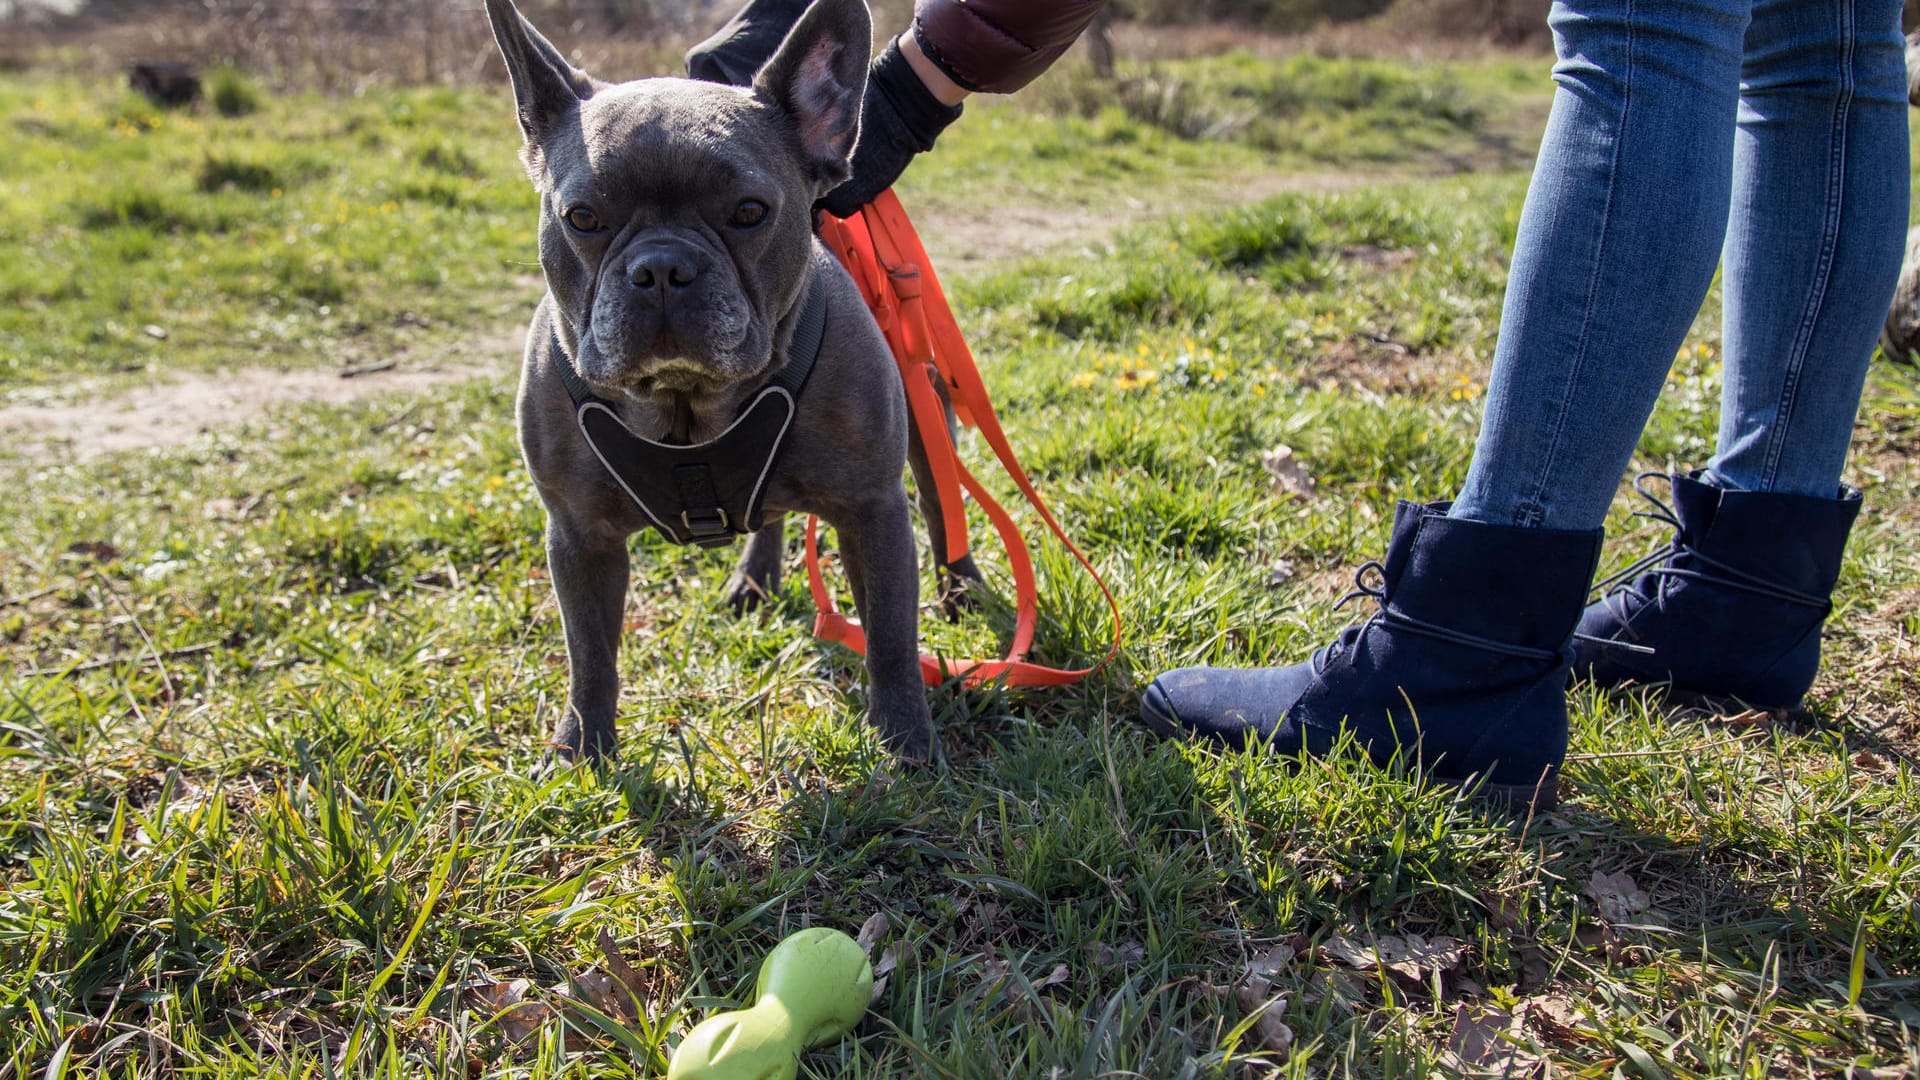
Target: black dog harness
[[710, 492]]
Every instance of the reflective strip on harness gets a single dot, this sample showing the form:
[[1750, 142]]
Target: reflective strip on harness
[[705, 494]]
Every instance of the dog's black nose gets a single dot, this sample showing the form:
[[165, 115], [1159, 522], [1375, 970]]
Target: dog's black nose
[[658, 265]]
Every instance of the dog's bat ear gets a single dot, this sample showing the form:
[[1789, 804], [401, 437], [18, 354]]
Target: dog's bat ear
[[546, 88], [818, 76]]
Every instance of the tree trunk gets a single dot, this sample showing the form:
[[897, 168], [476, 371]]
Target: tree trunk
[[1100, 41]]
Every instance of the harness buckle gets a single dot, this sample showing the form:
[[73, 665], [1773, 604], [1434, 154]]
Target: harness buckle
[[706, 526]]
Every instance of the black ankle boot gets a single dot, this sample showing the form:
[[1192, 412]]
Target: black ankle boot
[[1731, 609], [1463, 668]]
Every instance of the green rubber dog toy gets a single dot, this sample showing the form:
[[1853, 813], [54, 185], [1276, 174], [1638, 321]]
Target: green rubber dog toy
[[813, 989]]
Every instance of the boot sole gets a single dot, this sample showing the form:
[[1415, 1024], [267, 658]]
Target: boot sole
[[1718, 704], [1521, 800], [1156, 715]]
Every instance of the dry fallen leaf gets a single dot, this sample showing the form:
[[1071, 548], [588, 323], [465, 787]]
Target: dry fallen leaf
[[1617, 896], [1255, 997], [1271, 963], [636, 985], [1343, 988], [996, 977], [1486, 1042], [1410, 955], [1290, 478], [1101, 954], [871, 931], [1884, 1072], [602, 992], [888, 961], [883, 971], [1354, 954], [1552, 1015], [1505, 912], [506, 1005]]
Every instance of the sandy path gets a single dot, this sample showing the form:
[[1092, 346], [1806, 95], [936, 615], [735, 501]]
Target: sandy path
[[172, 410]]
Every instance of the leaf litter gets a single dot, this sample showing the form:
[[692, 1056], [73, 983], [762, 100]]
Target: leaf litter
[[508, 1007], [1253, 993], [1617, 896], [519, 1011], [1290, 478], [1101, 954], [1410, 956]]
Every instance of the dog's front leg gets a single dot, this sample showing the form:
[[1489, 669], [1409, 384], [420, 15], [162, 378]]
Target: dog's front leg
[[589, 566], [877, 549]]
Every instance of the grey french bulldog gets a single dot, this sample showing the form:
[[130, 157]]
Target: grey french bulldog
[[676, 237]]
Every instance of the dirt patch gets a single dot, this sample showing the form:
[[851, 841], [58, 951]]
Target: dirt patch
[[176, 410], [965, 240]]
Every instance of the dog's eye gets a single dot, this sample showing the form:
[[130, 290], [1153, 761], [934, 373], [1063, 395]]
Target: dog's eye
[[583, 219], [748, 214]]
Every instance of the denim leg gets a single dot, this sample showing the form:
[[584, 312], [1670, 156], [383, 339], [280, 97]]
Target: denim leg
[[1617, 246], [1813, 251]]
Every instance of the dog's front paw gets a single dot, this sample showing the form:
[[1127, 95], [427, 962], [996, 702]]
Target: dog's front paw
[[909, 738], [745, 593], [577, 741], [955, 583], [756, 577]]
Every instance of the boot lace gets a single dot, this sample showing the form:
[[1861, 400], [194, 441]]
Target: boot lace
[[1655, 571], [1371, 581]]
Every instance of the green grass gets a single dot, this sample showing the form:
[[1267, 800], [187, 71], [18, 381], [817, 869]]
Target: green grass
[[302, 231], [1159, 132], [299, 230], [268, 797]]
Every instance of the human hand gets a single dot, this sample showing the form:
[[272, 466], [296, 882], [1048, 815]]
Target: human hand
[[899, 117]]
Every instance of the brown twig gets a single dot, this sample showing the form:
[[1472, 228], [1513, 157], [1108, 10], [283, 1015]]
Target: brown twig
[[487, 567], [253, 502], [166, 677], [395, 420], [26, 598], [95, 665], [368, 369]]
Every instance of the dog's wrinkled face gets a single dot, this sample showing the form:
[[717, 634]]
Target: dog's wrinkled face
[[668, 240], [676, 215]]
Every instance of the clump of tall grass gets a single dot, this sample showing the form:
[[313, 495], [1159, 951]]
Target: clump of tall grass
[[1247, 99], [232, 92], [218, 172]]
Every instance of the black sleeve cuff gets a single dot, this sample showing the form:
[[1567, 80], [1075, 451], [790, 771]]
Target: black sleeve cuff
[[921, 114]]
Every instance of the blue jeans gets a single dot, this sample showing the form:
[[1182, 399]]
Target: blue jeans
[[1775, 127]]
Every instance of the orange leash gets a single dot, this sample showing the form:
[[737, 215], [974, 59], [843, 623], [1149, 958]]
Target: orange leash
[[880, 249]]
